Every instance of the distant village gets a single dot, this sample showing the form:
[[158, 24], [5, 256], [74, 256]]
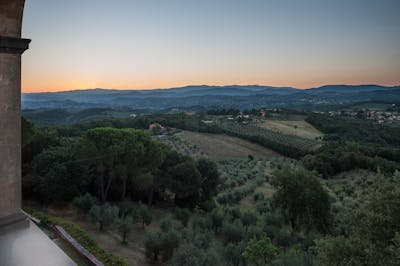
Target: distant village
[[380, 116]]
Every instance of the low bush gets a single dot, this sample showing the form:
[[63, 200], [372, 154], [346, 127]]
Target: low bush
[[83, 238]]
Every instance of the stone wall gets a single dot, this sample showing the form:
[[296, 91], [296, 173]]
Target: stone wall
[[11, 48]]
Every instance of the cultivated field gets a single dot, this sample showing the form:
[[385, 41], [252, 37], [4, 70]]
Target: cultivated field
[[218, 146], [300, 128]]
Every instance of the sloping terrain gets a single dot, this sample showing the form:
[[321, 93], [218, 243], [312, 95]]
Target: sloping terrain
[[298, 128], [217, 146], [242, 97]]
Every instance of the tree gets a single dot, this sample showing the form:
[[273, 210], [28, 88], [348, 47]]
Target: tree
[[85, 203], [374, 239], [161, 243], [104, 215], [126, 208], [166, 223], [145, 183], [57, 176], [201, 224], [260, 251], [183, 215], [190, 255], [170, 242], [153, 245], [209, 178], [248, 218], [302, 199], [178, 179], [120, 154], [233, 253], [217, 218], [124, 227], [185, 183], [144, 215], [341, 251], [202, 239], [28, 131], [233, 232]]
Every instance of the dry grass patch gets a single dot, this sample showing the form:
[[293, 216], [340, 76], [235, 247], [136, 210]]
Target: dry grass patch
[[219, 146], [299, 128]]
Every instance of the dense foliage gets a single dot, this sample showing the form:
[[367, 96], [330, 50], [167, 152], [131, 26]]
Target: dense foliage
[[374, 236], [354, 143], [116, 164], [237, 211], [302, 199]]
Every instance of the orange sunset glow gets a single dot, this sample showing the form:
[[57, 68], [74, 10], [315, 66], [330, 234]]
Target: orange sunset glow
[[144, 45]]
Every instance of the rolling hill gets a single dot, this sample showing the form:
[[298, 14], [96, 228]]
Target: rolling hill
[[242, 97]]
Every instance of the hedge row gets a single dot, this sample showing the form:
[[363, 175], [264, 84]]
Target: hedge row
[[83, 238]]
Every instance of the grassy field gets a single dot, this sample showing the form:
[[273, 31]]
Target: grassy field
[[296, 127], [218, 146]]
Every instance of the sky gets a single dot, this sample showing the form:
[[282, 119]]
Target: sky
[[147, 44]]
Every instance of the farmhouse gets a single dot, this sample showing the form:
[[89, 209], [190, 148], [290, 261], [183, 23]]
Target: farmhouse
[[155, 126]]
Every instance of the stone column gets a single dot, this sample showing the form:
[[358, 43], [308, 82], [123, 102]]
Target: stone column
[[11, 48]]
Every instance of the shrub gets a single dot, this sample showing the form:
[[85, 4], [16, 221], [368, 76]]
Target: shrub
[[216, 218], [85, 203], [84, 239], [201, 224], [124, 227], [183, 215], [233, 232], [248, 218], [258, 196], [192, 256], [232, 213], [153, 245], [161, 243], [144, 215], [170, 242], [105, 215], [263, 206], [233, 253], [202, 239], [166, 224], [260, 251]]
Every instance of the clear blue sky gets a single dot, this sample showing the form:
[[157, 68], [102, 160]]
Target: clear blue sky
[[143, 44]]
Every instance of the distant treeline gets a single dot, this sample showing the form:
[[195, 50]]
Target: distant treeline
[[113, 164], [349, 143], [354, 143]]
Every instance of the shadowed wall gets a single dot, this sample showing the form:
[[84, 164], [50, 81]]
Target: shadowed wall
[[11, 48]]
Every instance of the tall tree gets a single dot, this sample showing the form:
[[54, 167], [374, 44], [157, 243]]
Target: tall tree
[[120, 154], [302, 199], [28, 131], [260, 251], [209, 178], [185, 183], [57, 175]]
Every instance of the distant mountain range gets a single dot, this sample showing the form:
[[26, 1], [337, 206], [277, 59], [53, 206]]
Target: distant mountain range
[[208, 97]]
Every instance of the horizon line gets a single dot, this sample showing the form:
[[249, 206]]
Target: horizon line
[[205, 85]]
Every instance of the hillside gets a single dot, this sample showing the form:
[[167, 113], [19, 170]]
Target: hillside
[[216, 146], [242, 97]]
